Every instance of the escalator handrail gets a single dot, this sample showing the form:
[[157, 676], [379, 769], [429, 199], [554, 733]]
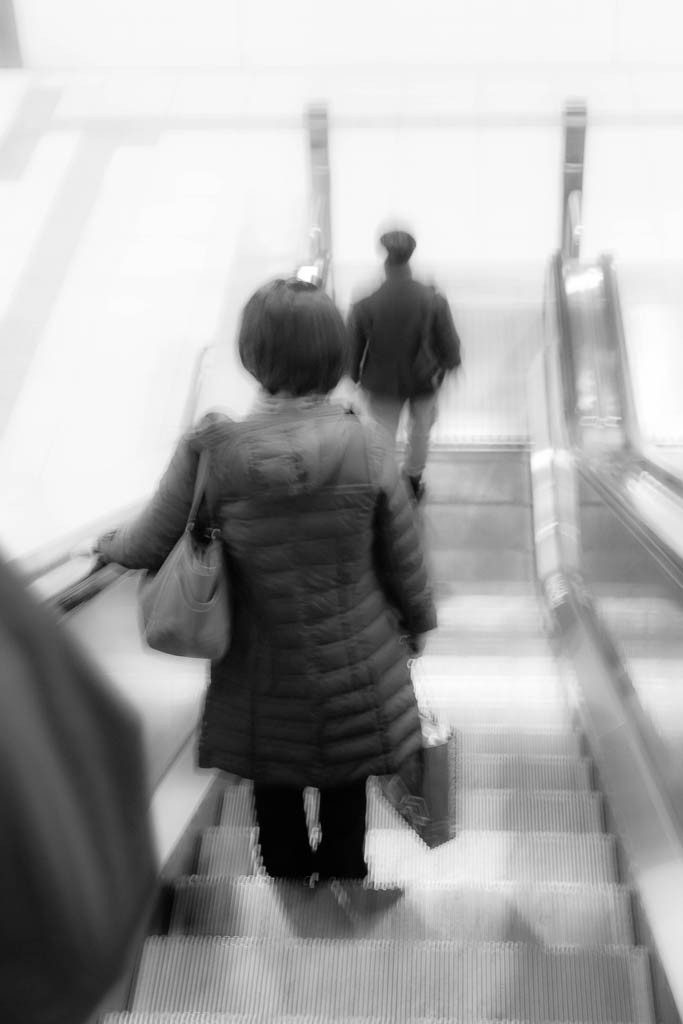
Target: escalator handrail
[[607, 479], [605, 696], [615, 327], [564, 522], [632, 461], [565, 353]]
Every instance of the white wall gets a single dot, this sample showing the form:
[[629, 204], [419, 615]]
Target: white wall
[[632, 187], [210, 33], [181, 230]]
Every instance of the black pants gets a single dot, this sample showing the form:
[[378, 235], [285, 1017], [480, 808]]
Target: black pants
[[283, 832]]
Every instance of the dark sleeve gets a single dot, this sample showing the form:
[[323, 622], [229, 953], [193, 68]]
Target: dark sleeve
[[357, 335], [445, 338], [400, 559], [145, 542], [77, 865]]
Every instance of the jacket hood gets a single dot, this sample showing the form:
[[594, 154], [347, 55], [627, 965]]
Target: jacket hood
[[299, 448]]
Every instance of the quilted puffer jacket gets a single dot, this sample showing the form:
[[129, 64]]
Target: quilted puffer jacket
[[327, 574]]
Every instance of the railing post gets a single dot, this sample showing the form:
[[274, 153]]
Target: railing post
[[10, 50], [321, 221], [574, 121]]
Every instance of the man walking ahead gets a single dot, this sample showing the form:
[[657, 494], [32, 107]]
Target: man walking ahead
[[403, 342]]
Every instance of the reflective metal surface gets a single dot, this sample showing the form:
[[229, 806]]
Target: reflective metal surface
[[601, 665]]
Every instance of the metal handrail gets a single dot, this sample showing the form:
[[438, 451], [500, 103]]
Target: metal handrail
[[615, 326], [573, 225], [620, 738], [616, 468]]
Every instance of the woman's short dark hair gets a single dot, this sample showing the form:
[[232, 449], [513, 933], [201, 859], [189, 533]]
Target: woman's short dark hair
[[292, 339]]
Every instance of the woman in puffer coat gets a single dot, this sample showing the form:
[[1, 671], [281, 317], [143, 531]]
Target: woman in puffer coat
[[328, 581]]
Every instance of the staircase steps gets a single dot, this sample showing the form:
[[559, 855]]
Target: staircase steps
[[396, 856], [463, 711], [514, 809], [500, 740], [560, 914], [485, 856], [171, 1017], [496, 771], [519, 917], [448, 676], [475, 771], [395, 979], [228, 851]]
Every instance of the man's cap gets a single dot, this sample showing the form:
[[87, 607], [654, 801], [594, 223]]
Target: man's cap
[[399, 245]]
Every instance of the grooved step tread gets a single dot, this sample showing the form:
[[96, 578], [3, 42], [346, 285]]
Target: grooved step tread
[[500, 740], [467, 712], [397, 855], [536, 810], [490, 613], [500, 810], [228, 851], [180, 1017], [398, 980], [504, 912], [532, 675], [643, 617], [171, 1017], [475, 565], [512, 771], [471, 771], [480, 643], [475, 806]]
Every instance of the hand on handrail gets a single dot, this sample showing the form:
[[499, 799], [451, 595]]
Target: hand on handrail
[[88, 549]]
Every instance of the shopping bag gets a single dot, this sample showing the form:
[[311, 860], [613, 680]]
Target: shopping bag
[[422, 792]]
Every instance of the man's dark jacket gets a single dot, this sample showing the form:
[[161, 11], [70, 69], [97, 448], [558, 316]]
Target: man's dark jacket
[[387, 328]]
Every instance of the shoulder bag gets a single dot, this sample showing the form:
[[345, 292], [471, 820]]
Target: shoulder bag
[[428, 372], [185, 607]]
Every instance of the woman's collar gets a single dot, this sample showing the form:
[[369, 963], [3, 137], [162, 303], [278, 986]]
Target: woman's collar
[[283, 402]]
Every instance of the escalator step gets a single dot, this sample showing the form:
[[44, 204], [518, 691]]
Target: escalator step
[[180, 1017], [398, 980], [490, 614], [237, 810], [228, 851], [396, 856], [636, 619], [474, 771], [465, 712], [539, 811], [491, 771], [501, 810], [506, 912], [490, 678], [486, 739]]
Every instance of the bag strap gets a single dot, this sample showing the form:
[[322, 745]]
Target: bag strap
[[199, 487]]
